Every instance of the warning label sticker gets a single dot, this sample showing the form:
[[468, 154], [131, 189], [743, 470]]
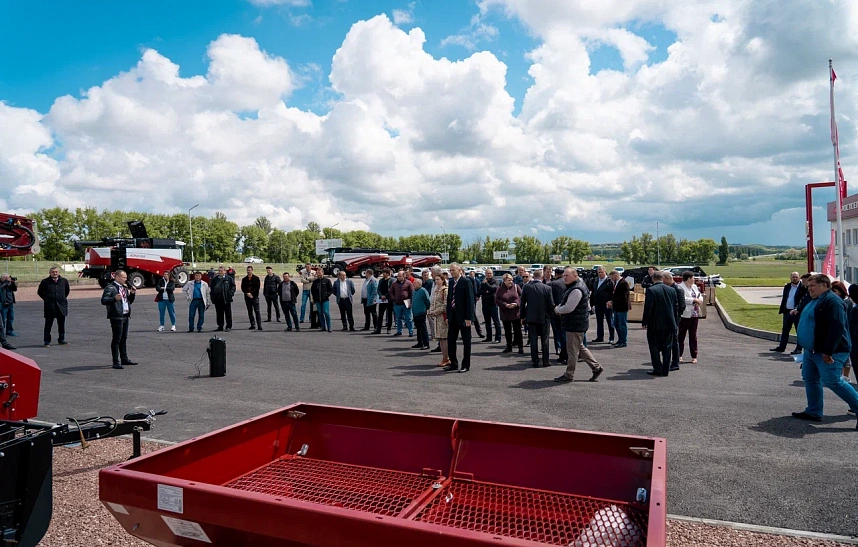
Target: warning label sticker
[[171, 498], [186, 529], [117, 508]]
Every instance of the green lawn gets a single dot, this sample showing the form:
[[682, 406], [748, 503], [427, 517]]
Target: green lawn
[[758, 316]]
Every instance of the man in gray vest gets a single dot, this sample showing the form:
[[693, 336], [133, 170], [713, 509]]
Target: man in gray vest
[[574, 312]]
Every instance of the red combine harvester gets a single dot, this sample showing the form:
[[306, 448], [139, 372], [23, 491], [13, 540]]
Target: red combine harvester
[[144, 258], [424, 260], [353, 261], [321, 476]]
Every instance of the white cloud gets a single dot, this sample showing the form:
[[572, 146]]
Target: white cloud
[[720, 135], [470, 37], [403, 17]]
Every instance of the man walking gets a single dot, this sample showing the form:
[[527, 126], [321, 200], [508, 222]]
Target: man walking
[[491, 315], [117, 298], [667, 278], [574, 312], [198, 295], [250, 288], [288, 300], [8, 287], [306, 284], [620, 305], [222, 292], [368, 296], [602, 291], [54, 291], [823, 332], [793, 292], [343, 290], [271, 291], [536, 305], [659, 320], [460, 310], [400, 293]]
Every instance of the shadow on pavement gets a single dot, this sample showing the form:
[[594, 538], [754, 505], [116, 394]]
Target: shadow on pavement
[[792, 428], [516, 365], [633, 374], [538, 384], [84, 368]]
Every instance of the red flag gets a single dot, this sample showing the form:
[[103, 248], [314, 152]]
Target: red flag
[[828, 264]]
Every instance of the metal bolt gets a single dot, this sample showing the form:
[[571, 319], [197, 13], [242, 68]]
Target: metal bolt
[[2, 454], [304, 449], [437, 485], [641, 495]]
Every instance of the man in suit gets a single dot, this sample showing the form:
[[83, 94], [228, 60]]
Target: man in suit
[[288, 296], [117, 298], [223, 289], [602, 291], [537, 304], [620, 305], [54, 291], [343, 290], [558, 290], [793, 292], [667, 279], [250, 288], [368, 295], [460, 312], [660, 324]]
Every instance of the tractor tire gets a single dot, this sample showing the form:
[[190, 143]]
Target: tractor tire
[[103, 282], [137, 280], [180, 276], [363, 270], [337, 268]]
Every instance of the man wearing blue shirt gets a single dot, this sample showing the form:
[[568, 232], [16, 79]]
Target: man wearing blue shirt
[[198, 295]]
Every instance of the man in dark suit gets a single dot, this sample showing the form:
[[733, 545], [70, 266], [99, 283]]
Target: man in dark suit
[[558, 290], [667, 279], [344, 289], [793, 292], [536, 305], [460, 313], [54, 291], [602, 290], [660, 324], [117, 298], [620, 305]]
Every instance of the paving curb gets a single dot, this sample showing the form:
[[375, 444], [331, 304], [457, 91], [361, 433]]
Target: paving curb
[[748, 331], [851, 540]]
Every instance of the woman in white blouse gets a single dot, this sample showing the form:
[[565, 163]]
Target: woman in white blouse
[[691, 315]]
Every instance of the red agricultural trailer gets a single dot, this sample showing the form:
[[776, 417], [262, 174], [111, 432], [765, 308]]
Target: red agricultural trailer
[[312, 475]]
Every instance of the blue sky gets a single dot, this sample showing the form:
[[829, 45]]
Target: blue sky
[[53, 48]]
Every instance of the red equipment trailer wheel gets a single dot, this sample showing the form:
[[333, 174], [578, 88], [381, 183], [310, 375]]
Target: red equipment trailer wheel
[[180, 276]]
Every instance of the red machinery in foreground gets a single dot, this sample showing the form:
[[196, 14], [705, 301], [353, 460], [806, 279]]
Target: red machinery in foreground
[[312, 475], [17, 236]]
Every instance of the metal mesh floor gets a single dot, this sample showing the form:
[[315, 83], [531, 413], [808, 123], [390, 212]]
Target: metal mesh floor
[[553, 519], [361, 488]]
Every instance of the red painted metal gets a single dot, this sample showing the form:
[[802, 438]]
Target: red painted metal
[[381, 478], [20, 379], [808, 205]]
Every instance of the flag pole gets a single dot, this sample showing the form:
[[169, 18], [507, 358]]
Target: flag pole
[[834, 138]]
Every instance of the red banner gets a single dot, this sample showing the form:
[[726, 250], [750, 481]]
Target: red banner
[[828, 267]]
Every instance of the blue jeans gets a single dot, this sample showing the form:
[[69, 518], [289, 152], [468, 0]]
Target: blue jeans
[[559, 338], [324, 310], [817, 373], [289, 313], [168, 306], [305, 297], [621, 323], [8, 313], [196, 306], [400, 312]]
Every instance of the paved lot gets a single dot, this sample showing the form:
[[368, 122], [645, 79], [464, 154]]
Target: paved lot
[[761, 295], [734, 452]]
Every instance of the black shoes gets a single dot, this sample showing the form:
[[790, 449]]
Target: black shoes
[[227, 329], [450, 368], [507, 350], [465, 370], [796, 352], [9, 346], [520, 349], [351, 329], [219, 329], [806, 416], [268, 320], [778, 350], [596, 373], [417, 346], [252, 327], [487, 340], [396, 333], [117, 366], [129, 363], [620, 345], [345, 329], [563, 379], [437, 349], [62, 342], [192, 330], [288, 329], [597, 340], [654, 373]]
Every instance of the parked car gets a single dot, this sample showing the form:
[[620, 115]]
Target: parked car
[[253, 260]]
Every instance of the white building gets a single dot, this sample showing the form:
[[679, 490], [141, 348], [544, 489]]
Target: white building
[[850, 236]]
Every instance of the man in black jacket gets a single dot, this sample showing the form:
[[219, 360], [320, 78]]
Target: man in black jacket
[[385, 304], [117, 298], [659, 320], [8, 287], [537, 304], [289, 292], [620, 304], [601, 290], [223, 290], [823, 332], [667, 279], [54, 291], [271, 290], [491, 315], [792, 295], [250, 288], [472, 277], [460, 312], [321, 291], [558, 291]]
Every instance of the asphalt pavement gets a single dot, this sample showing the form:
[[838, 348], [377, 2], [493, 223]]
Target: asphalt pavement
[[734, 452]]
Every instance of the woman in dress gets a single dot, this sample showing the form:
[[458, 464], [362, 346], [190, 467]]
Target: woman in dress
[[438, 313]]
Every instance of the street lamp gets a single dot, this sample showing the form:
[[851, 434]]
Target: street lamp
[[330, 228], [445, 242], [191, 227]]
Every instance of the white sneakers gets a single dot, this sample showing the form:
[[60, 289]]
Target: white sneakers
[[160, 329], [173, 328]]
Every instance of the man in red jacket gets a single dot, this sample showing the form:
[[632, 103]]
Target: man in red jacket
[[400, 293]]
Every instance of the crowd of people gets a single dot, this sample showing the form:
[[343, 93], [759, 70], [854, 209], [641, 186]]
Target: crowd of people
[[549, 304]]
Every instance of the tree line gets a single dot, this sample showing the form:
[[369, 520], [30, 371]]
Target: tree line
[[218, 239]]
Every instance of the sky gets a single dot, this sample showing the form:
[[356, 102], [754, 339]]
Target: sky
[[500, 117]]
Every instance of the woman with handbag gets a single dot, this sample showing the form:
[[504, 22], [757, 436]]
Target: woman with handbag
[[438, 313], [165, 299], [691, 315]]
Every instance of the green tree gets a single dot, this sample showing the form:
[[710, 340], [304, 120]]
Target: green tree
[[528, 249], [705, 251], [723, 251], [252, 240], [220, 239], [278, 246], [264, 224], [314, 227], [578, 249], [56, 227], [626, 253]]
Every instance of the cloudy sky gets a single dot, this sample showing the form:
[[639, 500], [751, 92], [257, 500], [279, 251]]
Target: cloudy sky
[[508, 117]]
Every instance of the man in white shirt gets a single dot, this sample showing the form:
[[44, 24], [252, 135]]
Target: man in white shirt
[[343, 290]]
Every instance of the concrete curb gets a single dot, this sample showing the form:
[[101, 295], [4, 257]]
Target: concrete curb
[[851, 540], [748, 331]]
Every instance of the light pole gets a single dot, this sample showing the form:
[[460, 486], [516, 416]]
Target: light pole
[[331, 227], [191, 227], [445, 242]]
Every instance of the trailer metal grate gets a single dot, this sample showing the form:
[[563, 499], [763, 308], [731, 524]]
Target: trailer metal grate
[[534, 515], [367, 489]]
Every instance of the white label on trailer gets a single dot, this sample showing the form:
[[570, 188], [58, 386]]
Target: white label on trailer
[[171, 498], [116, 508], [186, 529]]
